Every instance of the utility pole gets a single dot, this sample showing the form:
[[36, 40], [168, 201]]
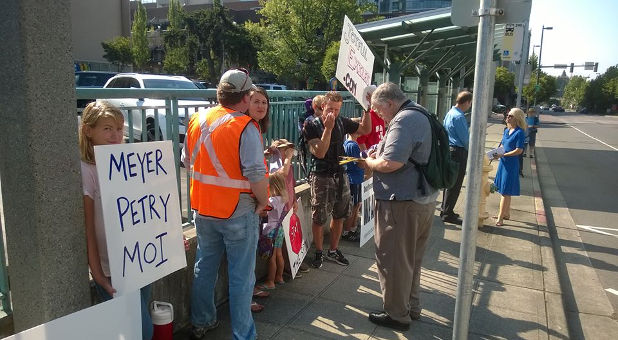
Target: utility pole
[[523, 63], [538, 69], [478, 127]]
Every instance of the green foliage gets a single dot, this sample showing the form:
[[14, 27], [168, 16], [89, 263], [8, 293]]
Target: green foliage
[[602, 93], [504, 85], [174, 14], [139, 43], [202, 69], [296, 33], [329, 65], [533, 61], [176, 60], [118, 51], [575, 91], [219, 41], [546, 88]]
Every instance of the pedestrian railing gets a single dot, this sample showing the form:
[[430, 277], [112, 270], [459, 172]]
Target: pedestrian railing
[[168, 122]]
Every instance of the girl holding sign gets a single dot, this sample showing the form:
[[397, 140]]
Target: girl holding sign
[[102, 124], [274, 230]]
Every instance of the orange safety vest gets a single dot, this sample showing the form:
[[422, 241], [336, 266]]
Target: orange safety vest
[[213, 138]]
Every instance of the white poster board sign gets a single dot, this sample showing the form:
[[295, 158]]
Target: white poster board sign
[[141, 211], [512, 42], [116, 319], [355, 62], [295, 240], [368, 212]]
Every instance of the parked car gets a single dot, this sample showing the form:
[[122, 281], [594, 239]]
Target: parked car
[[134, 105], [90, 79], [557, 109], [272, 86], [583, 110], [499, 108]]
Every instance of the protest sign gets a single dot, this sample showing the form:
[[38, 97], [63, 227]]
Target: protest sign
[[295, 240], [368, 216], [355, 62], [117, 319], [141, 212]]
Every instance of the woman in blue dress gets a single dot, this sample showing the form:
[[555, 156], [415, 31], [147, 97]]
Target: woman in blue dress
[[507, 177]]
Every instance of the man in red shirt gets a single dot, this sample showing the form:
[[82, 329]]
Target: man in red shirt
[[377, 127]]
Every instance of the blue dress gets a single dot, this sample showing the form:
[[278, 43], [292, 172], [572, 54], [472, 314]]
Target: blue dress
[[507, 177]]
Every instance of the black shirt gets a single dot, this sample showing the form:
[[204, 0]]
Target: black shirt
[[330, 163]]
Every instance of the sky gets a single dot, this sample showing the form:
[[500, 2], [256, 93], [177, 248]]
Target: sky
[[583, 30]]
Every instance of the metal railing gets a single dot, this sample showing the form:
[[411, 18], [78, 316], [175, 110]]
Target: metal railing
[[168, 122]]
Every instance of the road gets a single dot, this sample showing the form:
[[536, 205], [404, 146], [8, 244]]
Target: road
[[582, 151]]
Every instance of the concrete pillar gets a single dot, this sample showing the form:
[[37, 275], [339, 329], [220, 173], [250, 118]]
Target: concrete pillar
[[39, 163], [394, 73]]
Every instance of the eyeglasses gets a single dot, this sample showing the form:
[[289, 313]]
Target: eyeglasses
[[509, 116]]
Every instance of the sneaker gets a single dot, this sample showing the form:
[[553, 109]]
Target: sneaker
[[317, 262], [351, 236], [304, 268], [337, 257], [199, 332]]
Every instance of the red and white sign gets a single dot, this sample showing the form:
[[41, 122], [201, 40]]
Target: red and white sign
[[297, 243]]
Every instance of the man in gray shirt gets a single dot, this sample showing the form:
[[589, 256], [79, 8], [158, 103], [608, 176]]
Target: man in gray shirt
[[404, 212]]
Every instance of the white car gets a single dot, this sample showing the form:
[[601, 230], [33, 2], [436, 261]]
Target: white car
[[149, 105]]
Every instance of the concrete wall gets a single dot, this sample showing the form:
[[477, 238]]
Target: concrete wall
[[95, 21], [176, 288]]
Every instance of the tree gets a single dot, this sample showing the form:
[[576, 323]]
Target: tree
[[602, 93], [175, 15], [139, 43], [329, 65], [219, 40], [575, 91], [118, 51], [296, 33], [533, 61], [546, 88], [176, 60], [504, 85]]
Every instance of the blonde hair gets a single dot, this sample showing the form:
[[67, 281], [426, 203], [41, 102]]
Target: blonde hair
[[519, 118], [317, 102], [277, 186], [91, 115]]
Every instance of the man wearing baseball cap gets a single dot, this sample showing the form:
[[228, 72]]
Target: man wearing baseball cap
[[223, 146]]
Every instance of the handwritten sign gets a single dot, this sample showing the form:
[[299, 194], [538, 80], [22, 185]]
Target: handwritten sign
[[355, 62], [368, 216], [116, 319], [296, 243], [141, 212]]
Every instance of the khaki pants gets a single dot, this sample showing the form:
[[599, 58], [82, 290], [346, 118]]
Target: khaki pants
[[402, 229]]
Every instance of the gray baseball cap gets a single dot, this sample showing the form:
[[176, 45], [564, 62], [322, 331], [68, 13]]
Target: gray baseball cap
[[238, 78]]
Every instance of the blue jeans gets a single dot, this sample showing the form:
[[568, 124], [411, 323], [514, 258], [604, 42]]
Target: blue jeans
[[238, 238], [145, 292]]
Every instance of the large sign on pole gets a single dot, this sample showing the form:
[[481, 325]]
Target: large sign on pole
[[295, 240], [141, 212], [355, 62], [512, 42], [368, 216]]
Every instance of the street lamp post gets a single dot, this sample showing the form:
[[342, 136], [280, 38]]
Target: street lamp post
[[538, 69]]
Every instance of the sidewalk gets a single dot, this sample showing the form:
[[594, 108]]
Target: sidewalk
[[516, 288]]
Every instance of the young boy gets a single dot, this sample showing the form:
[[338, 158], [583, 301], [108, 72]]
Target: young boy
[[356, 175]]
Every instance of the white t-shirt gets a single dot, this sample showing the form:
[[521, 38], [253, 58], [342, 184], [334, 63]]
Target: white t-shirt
[[91, 189]]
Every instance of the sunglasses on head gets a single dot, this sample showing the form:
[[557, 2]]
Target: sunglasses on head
[[243, 70]]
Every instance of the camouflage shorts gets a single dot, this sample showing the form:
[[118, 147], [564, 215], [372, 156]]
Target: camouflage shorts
[[329, 195]]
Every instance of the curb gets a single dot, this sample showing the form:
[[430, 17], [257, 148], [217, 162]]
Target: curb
[[555, 308]]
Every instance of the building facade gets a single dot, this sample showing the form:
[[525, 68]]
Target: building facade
[[390, 8]]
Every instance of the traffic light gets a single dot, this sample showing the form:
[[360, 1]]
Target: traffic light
[[596, 66], [572, 66]]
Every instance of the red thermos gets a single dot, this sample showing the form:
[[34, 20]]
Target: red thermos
[[162, 318]]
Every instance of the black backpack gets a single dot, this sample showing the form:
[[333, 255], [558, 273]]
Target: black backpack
[[440, 171]]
